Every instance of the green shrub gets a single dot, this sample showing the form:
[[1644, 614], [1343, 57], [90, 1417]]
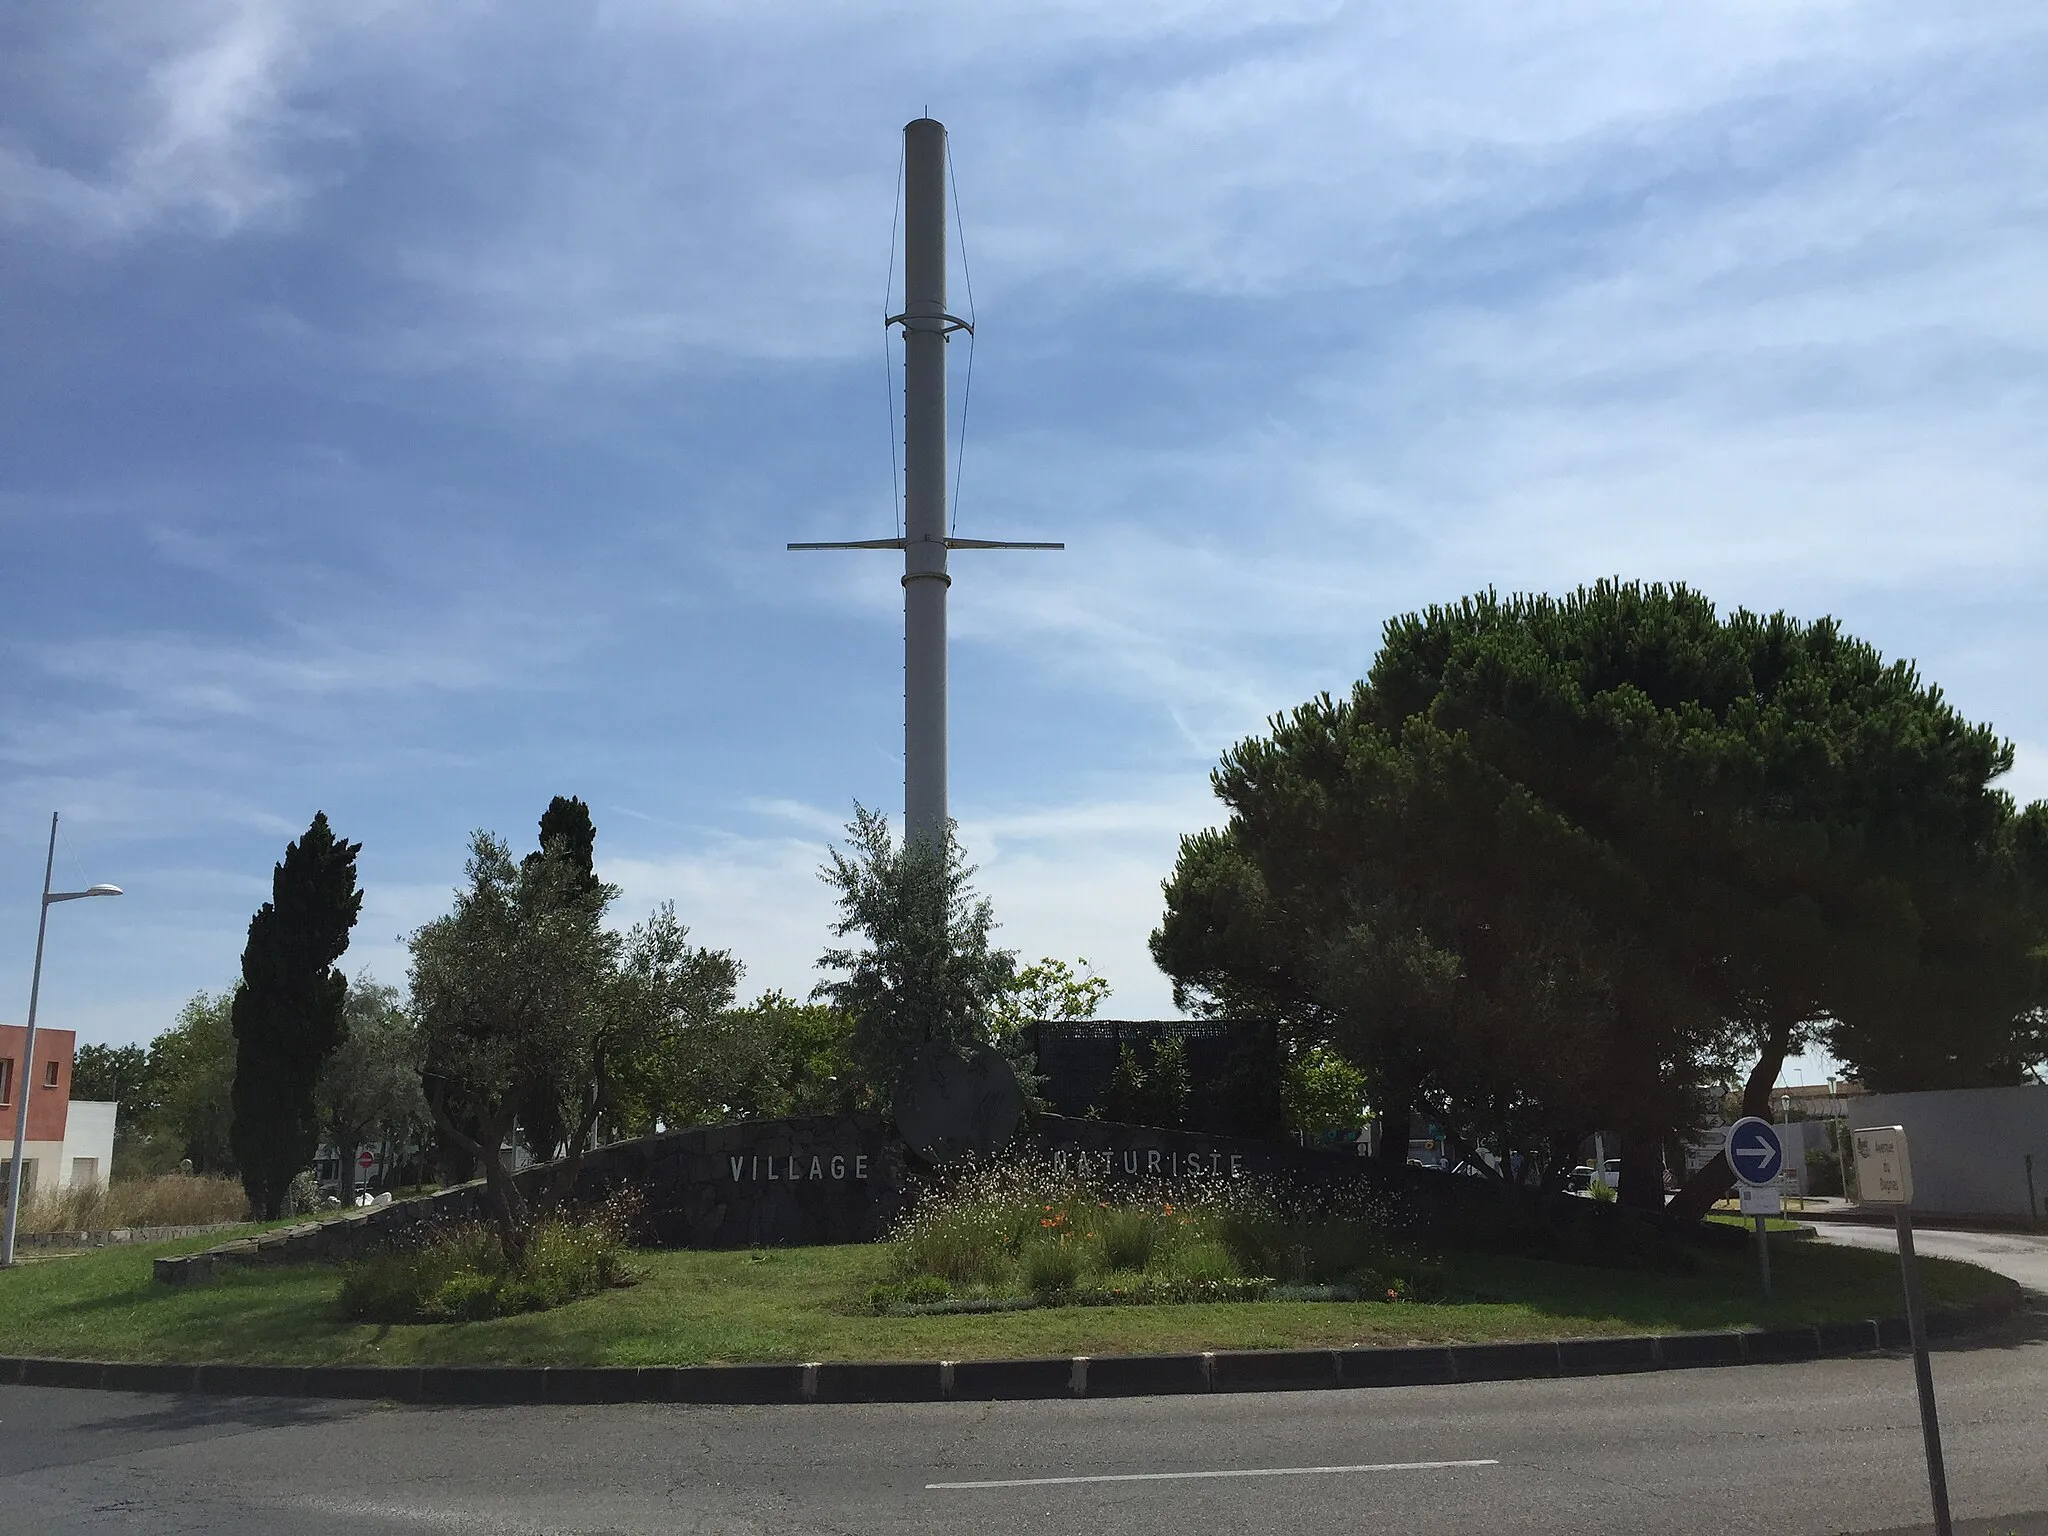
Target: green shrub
[[1602, 1191], [460, 1273], [406, 1285]]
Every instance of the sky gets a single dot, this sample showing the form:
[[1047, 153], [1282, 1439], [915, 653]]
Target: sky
[[403, 410]]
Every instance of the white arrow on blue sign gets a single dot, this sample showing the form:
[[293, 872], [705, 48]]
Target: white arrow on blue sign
[[1754, 1151]]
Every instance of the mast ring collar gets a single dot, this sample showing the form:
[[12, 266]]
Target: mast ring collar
[[944, 324]]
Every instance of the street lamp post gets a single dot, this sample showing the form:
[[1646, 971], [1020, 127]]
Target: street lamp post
[[28, 1050]]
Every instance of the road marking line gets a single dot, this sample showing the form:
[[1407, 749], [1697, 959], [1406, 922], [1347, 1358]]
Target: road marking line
[[1172, 1477]]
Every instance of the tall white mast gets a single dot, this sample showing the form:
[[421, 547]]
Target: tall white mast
[[927, 325]]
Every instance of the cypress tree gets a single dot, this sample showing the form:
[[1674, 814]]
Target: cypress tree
[[567, 831], [566, 826], [287, 1011]]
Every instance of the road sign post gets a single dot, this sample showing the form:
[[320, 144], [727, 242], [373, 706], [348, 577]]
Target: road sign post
[[1758, 1157], [1884, 1173], [1761, 1203]]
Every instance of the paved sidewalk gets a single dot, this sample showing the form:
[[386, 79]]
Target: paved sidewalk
[[2021, 1256]]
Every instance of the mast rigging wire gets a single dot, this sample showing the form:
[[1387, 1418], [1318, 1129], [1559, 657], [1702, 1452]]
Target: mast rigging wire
[[967, 390], [888, 370]]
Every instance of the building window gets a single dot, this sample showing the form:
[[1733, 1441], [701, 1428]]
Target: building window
[[49, 1074], [85, 1173], [6, 1080]]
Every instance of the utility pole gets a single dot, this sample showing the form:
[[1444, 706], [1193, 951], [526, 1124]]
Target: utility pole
[[927, 326], [25, 1076]]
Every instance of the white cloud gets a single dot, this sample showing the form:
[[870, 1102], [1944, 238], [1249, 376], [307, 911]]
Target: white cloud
[[1065, 879], [176, 112]]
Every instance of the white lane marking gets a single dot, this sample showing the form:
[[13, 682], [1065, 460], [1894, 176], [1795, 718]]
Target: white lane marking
[[1172, 1477]]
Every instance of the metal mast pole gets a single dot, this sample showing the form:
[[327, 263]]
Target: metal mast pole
[[925, 328], [925, 542], [25, 1075]]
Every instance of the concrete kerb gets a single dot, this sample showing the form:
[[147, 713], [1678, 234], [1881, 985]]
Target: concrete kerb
[[914, 1381]]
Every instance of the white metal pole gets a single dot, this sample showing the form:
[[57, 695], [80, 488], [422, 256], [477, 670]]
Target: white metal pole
[[925, 327], [1923, 1373], [25, 1073]]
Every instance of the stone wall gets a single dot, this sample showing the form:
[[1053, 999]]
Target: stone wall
[[757, 1183], [1101, 1148], [846, 1179], [826, 1179]]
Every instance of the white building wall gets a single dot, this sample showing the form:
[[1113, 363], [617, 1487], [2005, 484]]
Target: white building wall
[[88, 1138], [1969, 1147], [41, 1162]]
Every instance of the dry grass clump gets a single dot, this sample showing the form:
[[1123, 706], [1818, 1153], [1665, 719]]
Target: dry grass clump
[[167, 1200]]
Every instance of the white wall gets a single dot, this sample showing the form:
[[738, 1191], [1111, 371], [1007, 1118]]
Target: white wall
[[40, 1162], [1968, 1147], [88, 1132]]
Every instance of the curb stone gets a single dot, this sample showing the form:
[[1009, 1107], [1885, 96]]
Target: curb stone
[[919, 1381]]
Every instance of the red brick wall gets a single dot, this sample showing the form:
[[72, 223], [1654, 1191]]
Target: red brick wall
[[46, 1106]]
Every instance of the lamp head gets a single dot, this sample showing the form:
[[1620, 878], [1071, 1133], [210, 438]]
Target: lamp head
[[98, 890]]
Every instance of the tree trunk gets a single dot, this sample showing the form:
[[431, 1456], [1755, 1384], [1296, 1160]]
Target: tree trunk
[[508, 1207], [1396, 1106], [1642, 1170], [345, 1181], [1712, 1182], [561, 1183]]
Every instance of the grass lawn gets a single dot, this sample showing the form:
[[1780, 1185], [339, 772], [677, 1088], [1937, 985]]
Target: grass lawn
[[1748, 1223], [808, 1304]]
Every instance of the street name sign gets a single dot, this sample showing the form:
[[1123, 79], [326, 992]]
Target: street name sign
[[1884, 1176], [1884, 1172], [1754, 1151]]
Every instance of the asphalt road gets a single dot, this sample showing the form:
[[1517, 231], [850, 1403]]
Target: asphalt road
[[2023, 1256], [1826, 1447]]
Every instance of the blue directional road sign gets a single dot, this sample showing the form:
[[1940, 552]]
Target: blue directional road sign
[[1754, 1150]]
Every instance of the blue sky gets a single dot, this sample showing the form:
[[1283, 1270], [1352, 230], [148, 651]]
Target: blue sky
[[403, 410]]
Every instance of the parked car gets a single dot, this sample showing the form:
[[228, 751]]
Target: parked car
[[1581, 1179]]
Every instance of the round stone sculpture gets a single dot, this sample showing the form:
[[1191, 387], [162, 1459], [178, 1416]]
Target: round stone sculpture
[[958, 1101]]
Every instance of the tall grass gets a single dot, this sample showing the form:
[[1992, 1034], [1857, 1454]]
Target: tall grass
[[1013, 1230], [459, 1273], [1129, 1236], [167, 1200]]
